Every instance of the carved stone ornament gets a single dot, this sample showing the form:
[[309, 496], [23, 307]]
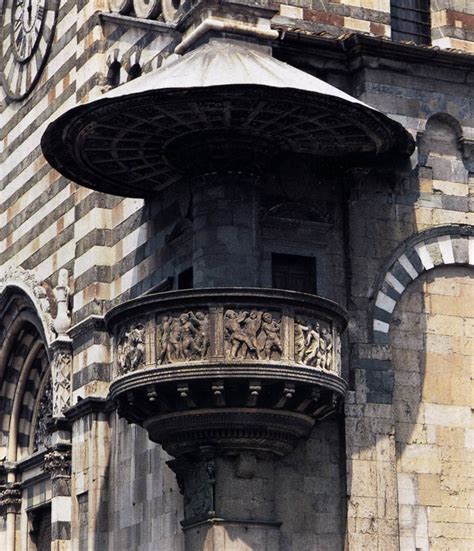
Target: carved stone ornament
[[196, 479], [62, 322], [42, 436], [10, 498], [131, 349], [313, 344], [61, 376], [238, 369], [254, 334], [183, 337], [147, 9], [58, 463], [16, 276]]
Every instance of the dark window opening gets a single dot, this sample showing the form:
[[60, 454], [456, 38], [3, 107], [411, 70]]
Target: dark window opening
[[293, 272], [41, 528], [185, 279], [134, 72], [83, 505], [411, 21]]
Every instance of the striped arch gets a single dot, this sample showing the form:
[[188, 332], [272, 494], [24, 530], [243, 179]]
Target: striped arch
[[24, 368], [440, 246]]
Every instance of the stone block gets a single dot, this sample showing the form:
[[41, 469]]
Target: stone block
[[411, 433], [421, 458], [429, 491], [407, 517], [364, 479], [388, 542], [362, 541], [447, 416], [406, 360], [439, 344]]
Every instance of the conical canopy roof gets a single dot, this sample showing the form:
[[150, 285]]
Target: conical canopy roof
[[141, 136]]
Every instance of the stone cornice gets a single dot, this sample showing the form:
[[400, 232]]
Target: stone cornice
[[351, 47], [88, 405], [91, 323]]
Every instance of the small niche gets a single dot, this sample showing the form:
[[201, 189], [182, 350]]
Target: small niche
[[134, 72], [113, 76]]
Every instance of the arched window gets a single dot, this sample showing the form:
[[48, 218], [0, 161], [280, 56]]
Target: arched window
[[411, 21]]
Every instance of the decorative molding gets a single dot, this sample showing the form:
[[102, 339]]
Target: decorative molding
[[57, 461], [37, 292], [196, 478], [62, 322], [90, 324], [10, 498], [87, 406], [61, 373]]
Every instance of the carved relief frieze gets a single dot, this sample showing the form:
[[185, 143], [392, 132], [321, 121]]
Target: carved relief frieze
[[183, 337], [313, 343], [219, 330], [252, 335], [131, 348]]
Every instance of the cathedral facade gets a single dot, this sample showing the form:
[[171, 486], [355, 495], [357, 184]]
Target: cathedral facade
[[236, 275]]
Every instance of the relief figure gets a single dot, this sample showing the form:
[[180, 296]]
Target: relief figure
[[173, 350], [189, 346], [300, 339], [131, 349], [313, 344], [254, 335], [240, 342], [271, 336], [183, 338], [327, 338], [201, 320]]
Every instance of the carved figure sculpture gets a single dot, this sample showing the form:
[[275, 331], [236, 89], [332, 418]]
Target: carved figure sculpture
[[202, 321], [131, 349], [251, 335], [173, 352], [163, 338], [252, 325], [271, 336], [326, 337], [240, 342], [189, 333], [183, 338], [300, 340], [313, 343]]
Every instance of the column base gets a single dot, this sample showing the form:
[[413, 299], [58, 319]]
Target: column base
[[232, 535]]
